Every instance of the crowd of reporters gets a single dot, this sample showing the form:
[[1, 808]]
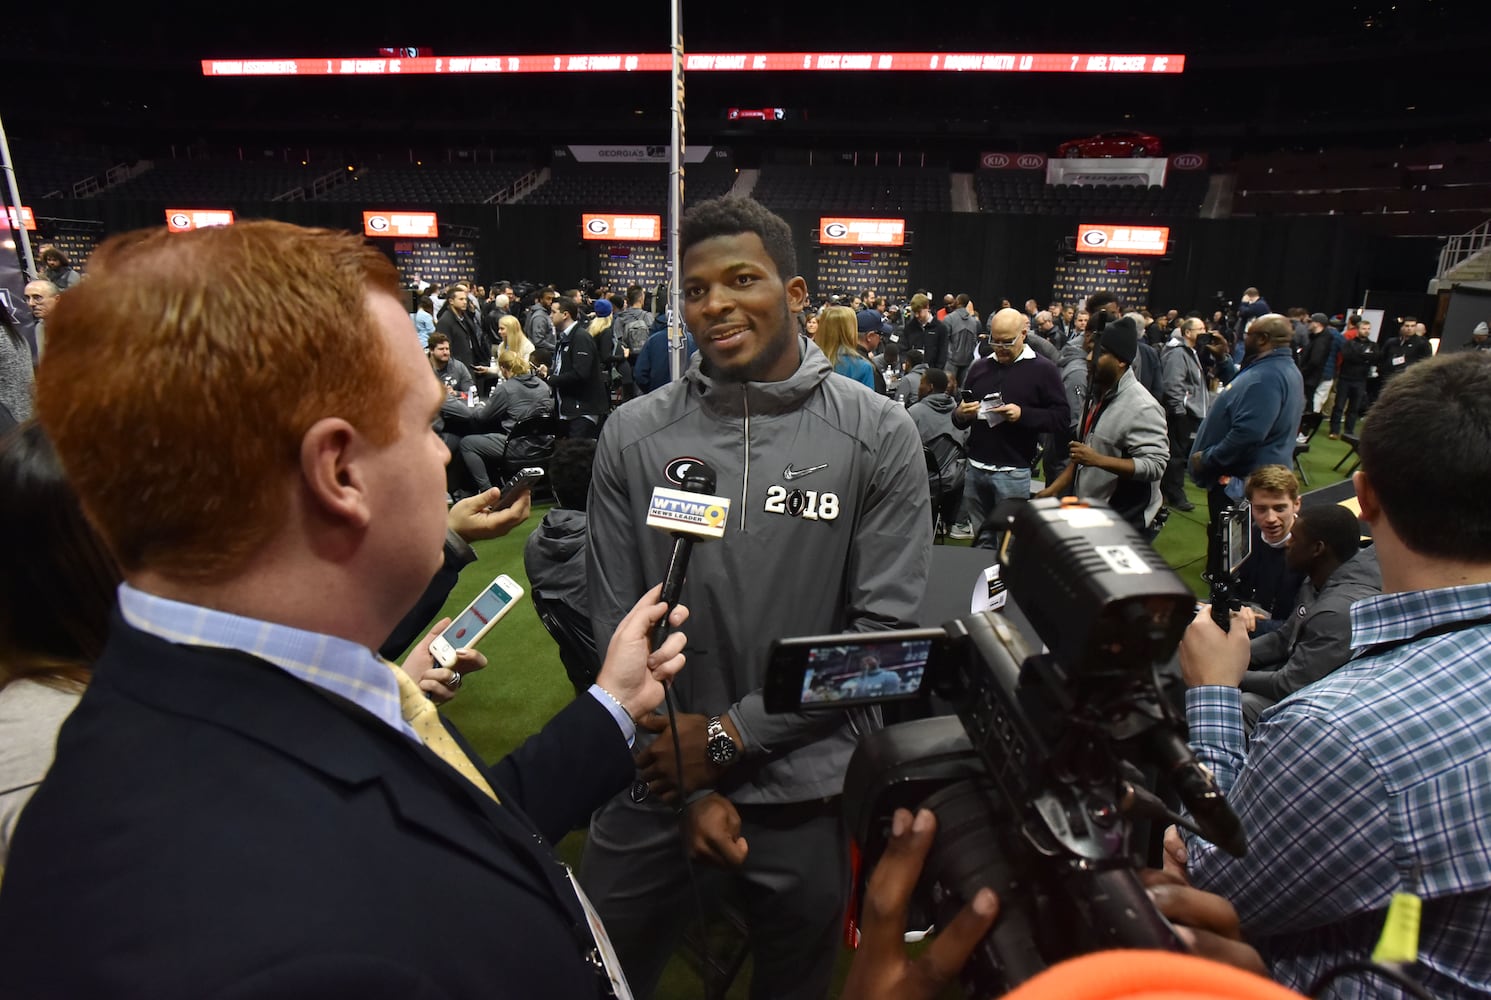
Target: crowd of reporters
[[578, 356]]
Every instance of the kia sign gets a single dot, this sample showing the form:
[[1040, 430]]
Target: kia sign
[[1188, 161], [416, 225], [184, 220], [636, 228], [1012, 161], [1145, 241], [711, 62], [25, 221], [863, 232]]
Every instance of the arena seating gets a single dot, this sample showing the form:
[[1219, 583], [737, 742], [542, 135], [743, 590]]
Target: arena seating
[[1027, 193], [627, 187], [44, 170], [217, 180], [855, 189], [1440, 188], [413, 185]]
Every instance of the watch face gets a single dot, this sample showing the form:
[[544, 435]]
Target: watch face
[[721, 749]]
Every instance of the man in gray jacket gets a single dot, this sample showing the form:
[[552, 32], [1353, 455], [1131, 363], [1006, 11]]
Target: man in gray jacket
[[1123, 447], [963, 328], [1184, 397], [828, 529], [948, 443], [1325, 544]]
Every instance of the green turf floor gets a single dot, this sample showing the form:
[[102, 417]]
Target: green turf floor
[[524, 683]]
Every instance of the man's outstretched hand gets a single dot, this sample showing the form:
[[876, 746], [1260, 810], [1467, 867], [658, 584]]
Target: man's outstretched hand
[[882, 970], [476, 518]]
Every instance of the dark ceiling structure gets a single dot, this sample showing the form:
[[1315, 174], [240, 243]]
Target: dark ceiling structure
[[1259, 76]]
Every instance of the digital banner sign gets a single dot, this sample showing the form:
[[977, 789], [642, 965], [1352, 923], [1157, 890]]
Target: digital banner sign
[[756, 114], [1142, 241], [26, 220], [862, 232], [710, 62], [420, 225], [184, 220], [637, 228]]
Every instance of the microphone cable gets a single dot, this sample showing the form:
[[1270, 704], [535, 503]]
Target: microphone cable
[[681, 817]]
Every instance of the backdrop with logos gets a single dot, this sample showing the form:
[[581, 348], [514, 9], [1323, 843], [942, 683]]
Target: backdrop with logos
[[1297, 260]]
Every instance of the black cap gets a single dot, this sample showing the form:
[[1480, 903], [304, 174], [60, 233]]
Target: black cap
[[1320, 318], [1121, 339]]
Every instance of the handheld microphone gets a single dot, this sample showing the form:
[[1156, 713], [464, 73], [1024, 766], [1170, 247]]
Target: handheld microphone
[[687, 514]]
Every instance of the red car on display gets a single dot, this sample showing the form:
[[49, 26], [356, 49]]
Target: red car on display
[[1113, 144]]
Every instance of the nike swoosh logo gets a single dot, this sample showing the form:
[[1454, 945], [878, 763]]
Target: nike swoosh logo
[[790, 473]]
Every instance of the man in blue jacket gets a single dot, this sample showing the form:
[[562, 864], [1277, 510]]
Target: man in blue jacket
[[1254, 422]]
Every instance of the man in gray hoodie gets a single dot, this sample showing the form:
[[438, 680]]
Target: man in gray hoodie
[[1325, 545], [1184, 397], [948, 443], [828, 529], [963, 328]]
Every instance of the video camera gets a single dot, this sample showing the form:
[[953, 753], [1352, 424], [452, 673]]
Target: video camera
[[1035, 782]]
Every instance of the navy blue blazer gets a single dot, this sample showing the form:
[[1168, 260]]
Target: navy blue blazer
[[213, 827]]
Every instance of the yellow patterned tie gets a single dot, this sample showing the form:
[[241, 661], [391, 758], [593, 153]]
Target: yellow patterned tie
[[420, 713]]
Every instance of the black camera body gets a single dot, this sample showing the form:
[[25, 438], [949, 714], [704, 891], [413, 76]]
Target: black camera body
[[1234, 542], [1035, 782]]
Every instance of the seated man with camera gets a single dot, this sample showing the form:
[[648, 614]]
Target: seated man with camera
[[1369, 783]]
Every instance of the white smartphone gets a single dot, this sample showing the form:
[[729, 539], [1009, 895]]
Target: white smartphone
[[495, 601]]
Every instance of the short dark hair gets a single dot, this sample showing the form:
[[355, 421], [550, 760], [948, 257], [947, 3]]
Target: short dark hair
[[541, 356], [1097, 300], [567, 305], [569, 471], [1334, 526], [915, 357], [936, 378], [436, 339], [963, 300], [1424, 448], [635, 294], [732, 216], [892, 353]]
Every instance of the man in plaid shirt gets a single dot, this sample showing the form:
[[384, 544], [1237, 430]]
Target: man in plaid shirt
[[1375, 779]]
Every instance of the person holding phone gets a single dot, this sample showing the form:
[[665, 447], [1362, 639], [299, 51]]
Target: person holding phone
[[1031, 402], [238, 712]]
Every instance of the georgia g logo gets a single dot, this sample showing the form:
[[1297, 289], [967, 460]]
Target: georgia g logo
[[1095, 238], [679, 468], [599, 227], [836, 230]]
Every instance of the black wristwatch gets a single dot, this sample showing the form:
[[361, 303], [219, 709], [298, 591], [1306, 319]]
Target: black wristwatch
[[722, 749]]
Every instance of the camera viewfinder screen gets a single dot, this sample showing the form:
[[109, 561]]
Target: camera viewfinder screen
[[1239, 537], [883, 670], [463, 631]]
